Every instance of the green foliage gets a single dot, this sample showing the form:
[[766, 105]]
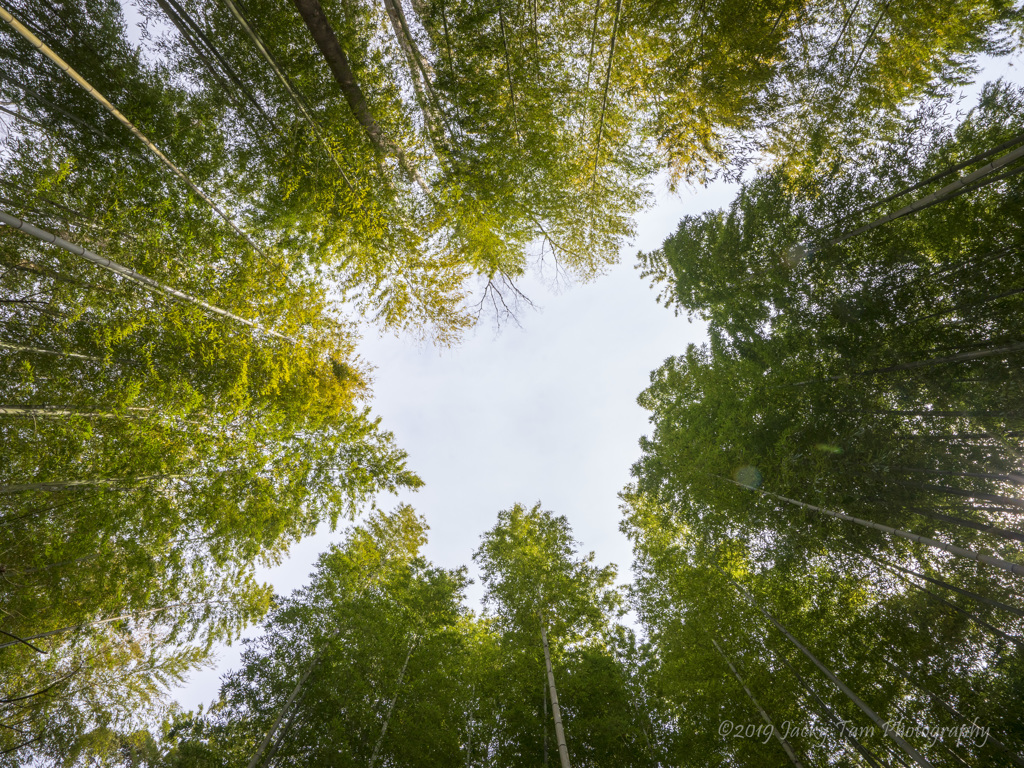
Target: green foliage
[[868, 376]]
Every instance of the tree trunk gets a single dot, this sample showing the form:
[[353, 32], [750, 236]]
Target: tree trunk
[[958, 167], [296, 97], [51, 412], [953, 550], [1007, 349], [860, 703], [127, 273], [607, 83], [391, 705], [544, 709], [46, 51], [419, 70], [983, 527], [967, 593], [190, 28], [938, 196], [826, 712], [951, 491], [764, 715], [323, 35], [563, 751], [508, 72], [1003, 478], [49, 352], [72, 628], [50, 105], [66, 484], [963, 719], [284, 710]]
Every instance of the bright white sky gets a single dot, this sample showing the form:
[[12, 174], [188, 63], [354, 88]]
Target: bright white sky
[[546, 412]]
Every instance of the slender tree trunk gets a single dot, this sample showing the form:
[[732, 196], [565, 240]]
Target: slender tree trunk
[[323, 35], [197, 31], [1007, 349], [72, 628], [935, 197], [976, 619], [951, 491], [417, 70], [70, 484], [544, 709], [46, 51], [973, 524], [391, 704], [953, 550], [607, 83], [51, 412], [508, 73], [50, 105], [1003, 478], [826, 712], [963, 719], [296, 97], [58, 564], [48, 352], [47, 689], [590, 62], [967, 593], [284, 710], [949, 171], [764, 715], [130, 274], [563, 750], [860, 703]]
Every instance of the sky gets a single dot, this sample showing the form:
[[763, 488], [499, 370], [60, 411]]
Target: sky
[[543, 412]]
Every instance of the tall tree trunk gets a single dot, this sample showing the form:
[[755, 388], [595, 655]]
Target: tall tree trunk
[[190, 28], [940, 195], [130, 274], [860, 703], [50, 105], [962, 718], [1015, 479], [828, 714], [508, 72], [563, 750], [98, 622], [62, 485], [949, 171], [764, 715], [967, 494], [974, 524], [967, 593], [323, 35], [951, 549], [6, 410], [1007, 349], [48, 352], [590, 63], [544, 710], [296, 97], [38, 44], [391, 704], [607, 83], [284, 710]]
